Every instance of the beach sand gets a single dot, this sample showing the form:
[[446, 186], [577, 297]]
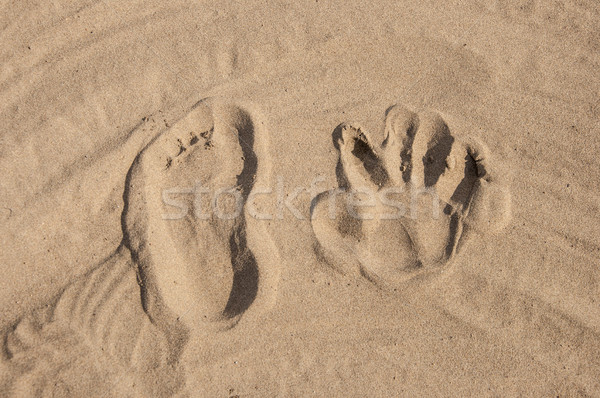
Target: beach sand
[[167, 175]]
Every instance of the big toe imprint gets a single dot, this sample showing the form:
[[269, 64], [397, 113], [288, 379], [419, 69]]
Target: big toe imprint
[[201, 260], [404, 208]]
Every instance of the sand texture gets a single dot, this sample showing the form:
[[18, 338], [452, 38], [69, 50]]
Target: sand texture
[[312, 198]]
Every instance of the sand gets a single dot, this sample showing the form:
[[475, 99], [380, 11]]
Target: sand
[[169, 173]]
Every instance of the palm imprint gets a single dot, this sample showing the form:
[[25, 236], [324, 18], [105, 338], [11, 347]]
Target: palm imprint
[[405, 208]]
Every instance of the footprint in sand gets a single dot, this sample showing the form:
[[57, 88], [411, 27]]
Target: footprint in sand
[[202, 260], [404, 209], [199, 270]]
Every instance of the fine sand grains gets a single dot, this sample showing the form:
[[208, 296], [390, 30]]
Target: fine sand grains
[[138, 255]]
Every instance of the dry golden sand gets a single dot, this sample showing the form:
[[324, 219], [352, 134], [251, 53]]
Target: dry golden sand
[[106, 104]]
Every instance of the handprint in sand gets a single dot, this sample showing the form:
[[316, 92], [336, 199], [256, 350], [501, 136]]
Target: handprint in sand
[[404, 208]]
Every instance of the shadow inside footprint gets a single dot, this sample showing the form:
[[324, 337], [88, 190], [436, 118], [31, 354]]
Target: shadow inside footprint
[[245, 270], [245, 275], [245, 135]]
